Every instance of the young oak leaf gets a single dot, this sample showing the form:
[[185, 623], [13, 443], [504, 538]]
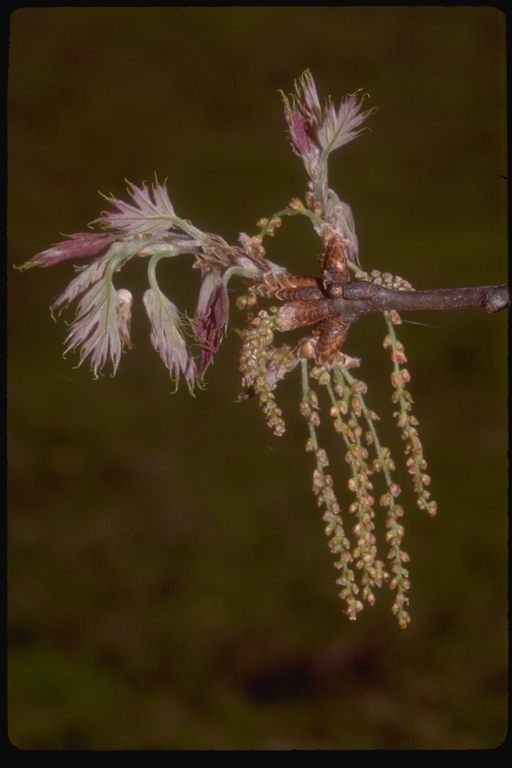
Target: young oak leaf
[[117, 254], [96, 328], [212, 314], [308, 99], [338, 126], [151, 213], [313, 130], [302, 136], [78, 246], [167, 336]]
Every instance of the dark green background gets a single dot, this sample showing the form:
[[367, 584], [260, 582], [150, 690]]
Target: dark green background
[[170, 583]]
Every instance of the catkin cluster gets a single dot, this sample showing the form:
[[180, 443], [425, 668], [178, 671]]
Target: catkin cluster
[[254, 360]]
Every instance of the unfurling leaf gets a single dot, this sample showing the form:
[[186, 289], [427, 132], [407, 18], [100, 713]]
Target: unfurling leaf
[[167, 336], [338, 126], [96, 329], [301, 138], [151, 213], [78, 246], [212, 315], [314, 131], [308, 99], [117, 255]]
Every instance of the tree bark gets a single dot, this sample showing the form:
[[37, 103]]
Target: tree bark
[[360, 298]]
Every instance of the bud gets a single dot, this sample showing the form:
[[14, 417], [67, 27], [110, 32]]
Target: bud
[[295, 204], [404, 620], [396, 379], [318, 481], [313, 398], [307, 350], [359, 388], [324, 378], [321, 457], [432, 508], [398, 357]]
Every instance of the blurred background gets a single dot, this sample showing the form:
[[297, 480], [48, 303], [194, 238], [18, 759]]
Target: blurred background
[[170, 585]]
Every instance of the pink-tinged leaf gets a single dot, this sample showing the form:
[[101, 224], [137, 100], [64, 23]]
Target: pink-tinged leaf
[[209, 279], [338, 126], [82, 281], [304, 117], [212, 316], [95, 329], [313, 130], [300, 135], [78, 246], [308, 99], [297, 128], [151, 213], [117, 255], [167, 336]]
